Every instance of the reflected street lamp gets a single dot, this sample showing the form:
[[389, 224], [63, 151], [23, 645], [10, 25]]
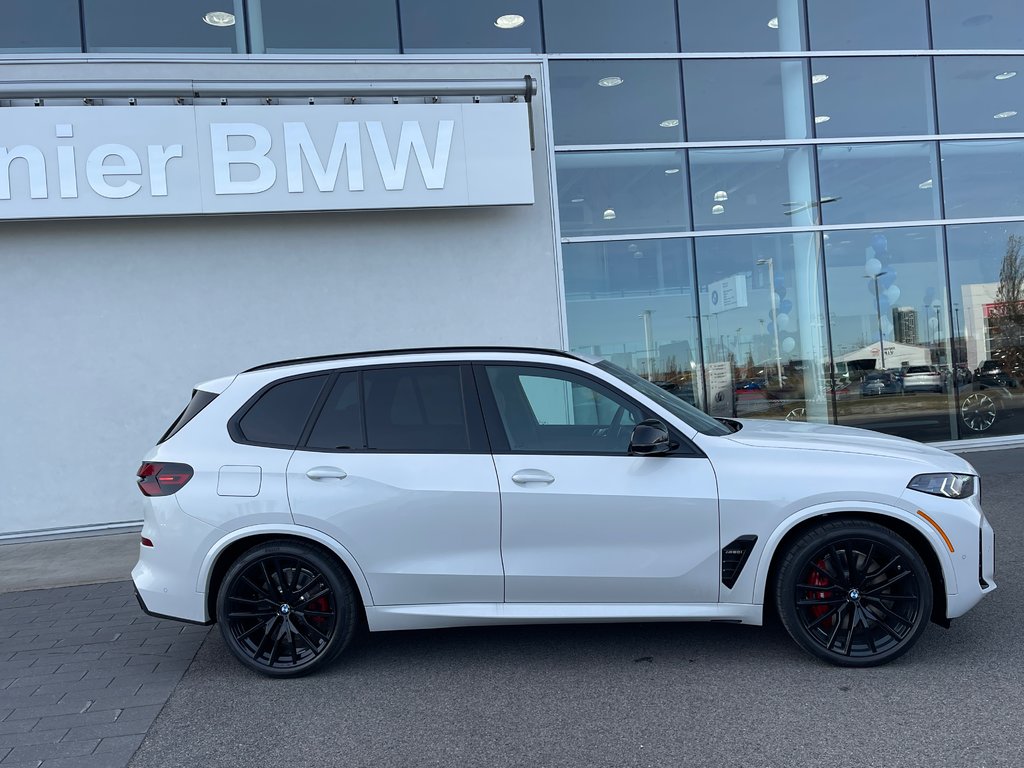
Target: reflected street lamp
[[775, 319], [878, 314]]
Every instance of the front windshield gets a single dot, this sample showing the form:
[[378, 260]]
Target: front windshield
[[674, 405]]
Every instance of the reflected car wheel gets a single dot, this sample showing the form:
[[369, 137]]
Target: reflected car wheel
[[797, 414], [853, 593], [978, 412], [286, 609]]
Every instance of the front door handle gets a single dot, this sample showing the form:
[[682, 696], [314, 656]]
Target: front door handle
[[326, 473], [524, 476]]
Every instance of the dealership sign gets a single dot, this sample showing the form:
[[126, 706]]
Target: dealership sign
[[68, 162]]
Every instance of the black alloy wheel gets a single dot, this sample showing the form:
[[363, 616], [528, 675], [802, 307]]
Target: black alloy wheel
[[854, 593], [286, 609]]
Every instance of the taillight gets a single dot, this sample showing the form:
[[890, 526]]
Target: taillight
[[162, 479]]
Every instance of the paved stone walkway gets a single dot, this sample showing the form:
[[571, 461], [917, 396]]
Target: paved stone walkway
[[83, 674]]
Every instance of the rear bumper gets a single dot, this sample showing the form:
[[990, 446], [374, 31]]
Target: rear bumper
[[145, 610]]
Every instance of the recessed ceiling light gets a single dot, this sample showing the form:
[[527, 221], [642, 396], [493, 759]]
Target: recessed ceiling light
[[721, 196], [1005, 75], [670, 171], [773, 22], [669, 123], [609, 82], [509, 21], [926, 184], [577, 200], [1001, 115], [818, 79], [219, 19], [717, 209], [609, 214], [818, 119]]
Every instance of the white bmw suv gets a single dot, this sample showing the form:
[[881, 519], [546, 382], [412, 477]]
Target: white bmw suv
[[299, 501]]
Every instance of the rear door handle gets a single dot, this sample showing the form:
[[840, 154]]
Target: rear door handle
[[524, 476], [326, 473]]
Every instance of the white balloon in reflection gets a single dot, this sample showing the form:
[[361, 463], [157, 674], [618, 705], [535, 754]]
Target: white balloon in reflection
[[788, 344], [783, 321], [892, 293], [872, 267]]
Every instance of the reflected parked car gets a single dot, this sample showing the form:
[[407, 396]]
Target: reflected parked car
[[992, 373], [881, 383], [923, 378]]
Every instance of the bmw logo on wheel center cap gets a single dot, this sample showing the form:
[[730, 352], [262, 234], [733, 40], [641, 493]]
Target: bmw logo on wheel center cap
[[285, 609], [854, 594]]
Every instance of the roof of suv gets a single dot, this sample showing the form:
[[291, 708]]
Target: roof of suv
[[412, 351]]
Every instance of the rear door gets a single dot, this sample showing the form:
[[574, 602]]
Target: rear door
[[397, 469]]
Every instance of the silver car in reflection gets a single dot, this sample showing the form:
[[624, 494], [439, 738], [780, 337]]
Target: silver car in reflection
[[923, 378]]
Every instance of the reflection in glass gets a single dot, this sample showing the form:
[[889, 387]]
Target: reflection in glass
[[633, 303], [980, 94], [986, 270], [993, 24], [983, 178], [621, 192], [41, 26], [734, 99], [752, 187], [761, 308], [880, 25], [742, 25], [464, 26], [883, 96], [189, 26], [645, 105], [878, 182], [326, 26], [610, 26], [890, 331]]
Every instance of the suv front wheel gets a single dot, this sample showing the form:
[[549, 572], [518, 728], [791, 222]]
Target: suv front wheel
[[854, 593], [286, 609]]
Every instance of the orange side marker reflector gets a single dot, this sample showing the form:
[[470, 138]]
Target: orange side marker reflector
[[936, 526]]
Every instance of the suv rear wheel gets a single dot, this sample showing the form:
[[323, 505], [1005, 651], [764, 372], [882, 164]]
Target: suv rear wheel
[[854, 593], [286, 609]]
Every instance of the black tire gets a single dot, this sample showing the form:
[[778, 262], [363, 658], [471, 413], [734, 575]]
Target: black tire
[[265, 614], [853, 593]]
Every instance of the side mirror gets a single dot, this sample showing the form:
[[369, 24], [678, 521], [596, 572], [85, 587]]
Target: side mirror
[[649, 438]]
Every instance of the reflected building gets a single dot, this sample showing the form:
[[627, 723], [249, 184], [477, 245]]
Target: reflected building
[[904, 320]]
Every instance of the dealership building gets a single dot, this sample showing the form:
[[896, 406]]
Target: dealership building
[[793, 209]]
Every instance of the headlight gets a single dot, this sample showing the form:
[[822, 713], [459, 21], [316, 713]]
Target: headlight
[[948, 484]]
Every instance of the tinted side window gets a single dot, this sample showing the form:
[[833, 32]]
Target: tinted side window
[[548, 411], [339, 425], [281, 412], [418, 408]]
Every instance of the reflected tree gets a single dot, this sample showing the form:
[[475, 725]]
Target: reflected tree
[[1007, 315]]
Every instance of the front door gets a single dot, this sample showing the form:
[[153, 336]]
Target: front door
[[582, 520]]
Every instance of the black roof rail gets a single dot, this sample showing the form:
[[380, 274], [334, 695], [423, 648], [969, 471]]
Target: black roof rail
[[411, 351]]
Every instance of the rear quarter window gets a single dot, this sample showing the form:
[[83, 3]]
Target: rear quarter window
[[279, 413]]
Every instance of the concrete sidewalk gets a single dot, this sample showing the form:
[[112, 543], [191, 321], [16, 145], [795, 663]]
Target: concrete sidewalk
[[67, 562]]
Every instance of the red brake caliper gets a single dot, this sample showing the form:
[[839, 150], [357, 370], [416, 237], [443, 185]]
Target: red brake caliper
[[817, 579], [320, 604]]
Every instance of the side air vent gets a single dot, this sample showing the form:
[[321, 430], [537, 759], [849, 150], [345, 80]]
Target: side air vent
[[734, 557]]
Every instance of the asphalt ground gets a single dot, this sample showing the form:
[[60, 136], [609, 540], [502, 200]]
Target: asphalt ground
[[627, 695]]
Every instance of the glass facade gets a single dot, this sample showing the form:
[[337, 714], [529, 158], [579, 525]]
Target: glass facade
[[797, 209]]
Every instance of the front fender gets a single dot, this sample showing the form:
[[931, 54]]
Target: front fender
[[310, 534], [837, 508]]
